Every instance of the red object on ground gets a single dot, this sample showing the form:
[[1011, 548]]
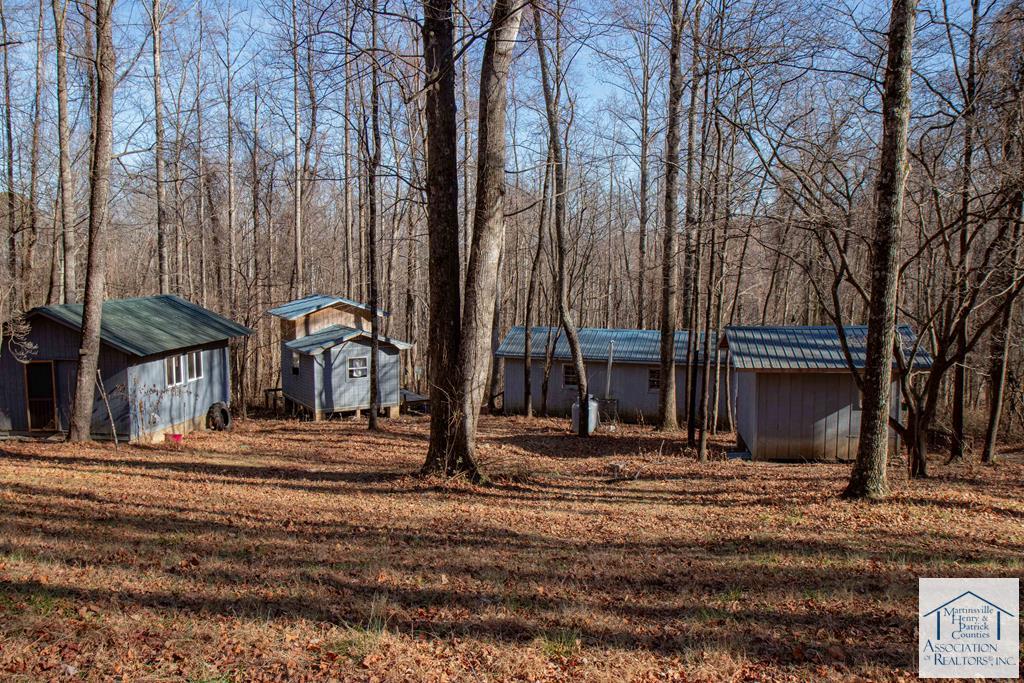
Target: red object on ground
[[176, 438]]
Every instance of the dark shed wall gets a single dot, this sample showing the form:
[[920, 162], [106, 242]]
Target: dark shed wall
[[155, 406], [60, 344]]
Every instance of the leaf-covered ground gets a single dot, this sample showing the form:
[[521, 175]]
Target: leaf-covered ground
[[288, 550]]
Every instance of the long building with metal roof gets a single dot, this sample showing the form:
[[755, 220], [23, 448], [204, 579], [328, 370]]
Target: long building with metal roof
[[623, 367]]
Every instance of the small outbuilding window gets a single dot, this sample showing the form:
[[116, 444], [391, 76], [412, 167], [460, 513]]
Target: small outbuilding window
[[172, 371], [195, 365], [295, 362], [358, 368], [653, 379], [570, 378]]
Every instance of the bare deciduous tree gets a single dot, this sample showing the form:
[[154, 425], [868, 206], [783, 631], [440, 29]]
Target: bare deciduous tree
[[99, 195]]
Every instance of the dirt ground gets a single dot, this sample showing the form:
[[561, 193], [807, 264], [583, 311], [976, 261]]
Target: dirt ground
[[311, 551]]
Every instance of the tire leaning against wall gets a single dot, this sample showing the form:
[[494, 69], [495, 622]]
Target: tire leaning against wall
[[218, 417]]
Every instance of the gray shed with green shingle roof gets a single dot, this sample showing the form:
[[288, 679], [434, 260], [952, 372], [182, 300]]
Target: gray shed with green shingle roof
[[163, 361]]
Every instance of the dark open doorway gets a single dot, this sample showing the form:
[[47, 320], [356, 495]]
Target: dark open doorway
[[40, 396]]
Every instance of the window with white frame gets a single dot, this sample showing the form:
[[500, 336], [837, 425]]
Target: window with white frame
[[172, 371], [570, 378], [194, 365], [183, 368], [358, 368], [653, 379]]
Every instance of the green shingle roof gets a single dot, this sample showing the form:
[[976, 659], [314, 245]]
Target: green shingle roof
[[149, 325]]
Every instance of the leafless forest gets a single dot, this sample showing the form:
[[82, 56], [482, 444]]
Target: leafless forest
[[695, 163]]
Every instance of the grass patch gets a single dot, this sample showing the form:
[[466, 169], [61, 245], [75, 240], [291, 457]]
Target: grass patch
[[360, 640], [561, 643]]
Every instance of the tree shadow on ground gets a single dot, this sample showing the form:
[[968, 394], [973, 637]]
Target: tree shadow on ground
[[759, 561]]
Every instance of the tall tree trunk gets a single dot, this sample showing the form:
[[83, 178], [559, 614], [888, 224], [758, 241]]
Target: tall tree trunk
[[645, 181], [690, 282], [66, 179], [999, 353], [230, 170], [37, 119], [55, 291], [561, 237], [372, 164], [162, 219], [667, 388], [957, 446], [347, 146], [298, 288], [11, 208], [707, 368], [201, 181], [99, 192], [482, 266], [442, 229], [1002, 332], [532, 286], [869, 478], [261, 299]]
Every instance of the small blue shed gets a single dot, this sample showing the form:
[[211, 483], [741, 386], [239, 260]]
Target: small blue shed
[[163, 362], [325, 357], [633, 356], [795, 398]]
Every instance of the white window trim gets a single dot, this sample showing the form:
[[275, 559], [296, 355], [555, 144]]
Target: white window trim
[[573, 387], [181, 371], [199, 364], [365, 368]]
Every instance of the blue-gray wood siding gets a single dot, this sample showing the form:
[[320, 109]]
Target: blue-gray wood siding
[[802, 415], [301, 386], [136, 390], [155, 406], [60, 344], [322, 383], [335, 391], [629, 386]]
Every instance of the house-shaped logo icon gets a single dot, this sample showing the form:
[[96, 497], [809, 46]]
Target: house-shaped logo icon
[[968, 628], [987, 608]]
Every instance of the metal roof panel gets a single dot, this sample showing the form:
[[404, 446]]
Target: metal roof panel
[[806, 348], [334, 335], [149, 325], [293, 310], [630, 345]]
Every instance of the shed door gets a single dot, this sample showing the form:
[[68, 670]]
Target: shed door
[[40, 396]]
